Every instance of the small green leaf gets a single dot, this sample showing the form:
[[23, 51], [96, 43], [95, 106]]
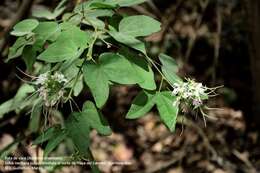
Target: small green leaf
[[142, 104], [103, 5], [47, 14], [95, 119], [127, 3], [46, 30], [17, 49], [24, 27], [21, 94], [141, 68], [139, 25], [6, 107], [128, 40], [134, 26], [116, 3], [35, 116], [59, 51], [46, 135], [168, 112], [29, 57], [97, 81], [54, 142], [169, 68], [78, 130], [43, 13], [86, 6], [80, 38], [89, 12], [78, 87], [70, 44], [17, 101], [118, 69], [99, 13], [94, 22]]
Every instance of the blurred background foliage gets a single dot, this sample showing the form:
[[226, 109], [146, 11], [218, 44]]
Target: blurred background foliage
[[213, 41]]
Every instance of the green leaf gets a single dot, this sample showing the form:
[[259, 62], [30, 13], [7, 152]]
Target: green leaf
[[128, 40], [70, 44], [24, 27], [134, 26], [47, 14], [95, 119], [80, 38], [126, 3], [46, 30], [72, 18], [118, 69], [142, 104], [6, 107], [99, 13], [17, 49], [46, 135], [59, 51], [89, 12], [35, 116], [78, 130], [103, 5], [95, 22], [139, 25], [142, 70], [85, 6], [97, 81], [29, 57], [111, 67], [91, 17], [43, 13], [169, 68], [17, 101], [78, 87], [54, 142], [168, 112], [116, 3]]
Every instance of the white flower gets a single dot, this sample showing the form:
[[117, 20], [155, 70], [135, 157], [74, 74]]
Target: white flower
[[189, 92], [41, 79], [175, 91], [51, 87], [59, 77]]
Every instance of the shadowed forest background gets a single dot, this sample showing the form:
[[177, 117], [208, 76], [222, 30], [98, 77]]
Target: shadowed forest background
[[216, 42]]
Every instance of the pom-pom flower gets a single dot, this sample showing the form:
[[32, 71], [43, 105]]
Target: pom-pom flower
[[191, 93], [51, 87]]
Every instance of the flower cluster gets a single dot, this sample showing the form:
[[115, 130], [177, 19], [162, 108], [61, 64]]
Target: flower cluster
[[51, 87], [190, 93]]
